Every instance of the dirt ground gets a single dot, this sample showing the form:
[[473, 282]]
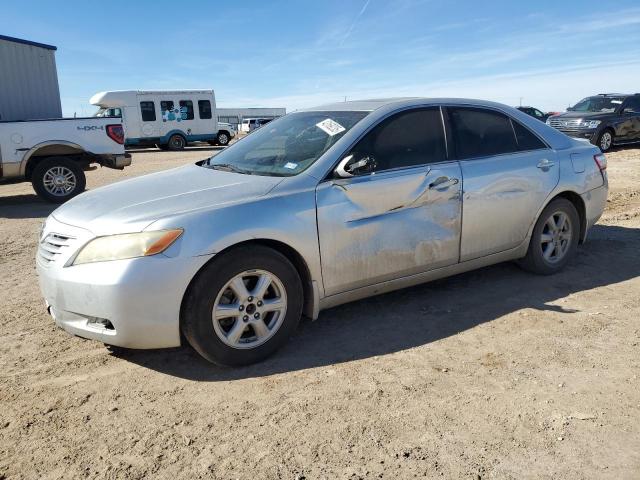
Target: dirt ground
[[492, 374]]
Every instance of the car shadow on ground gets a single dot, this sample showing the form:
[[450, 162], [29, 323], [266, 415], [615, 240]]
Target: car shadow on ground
[[25, 206], [420, 315]]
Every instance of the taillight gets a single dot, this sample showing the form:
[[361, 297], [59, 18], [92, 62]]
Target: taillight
[[116, 133], [601, 161]]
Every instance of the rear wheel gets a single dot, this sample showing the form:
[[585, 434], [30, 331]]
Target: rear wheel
[[555, 238], [223, 138], [176, 142], [58, 179], [243, 306], [605, 140]]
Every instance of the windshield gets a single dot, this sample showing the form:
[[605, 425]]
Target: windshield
[[288, 145], [598, 104]]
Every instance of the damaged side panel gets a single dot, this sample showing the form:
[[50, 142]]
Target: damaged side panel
[[387, 225]]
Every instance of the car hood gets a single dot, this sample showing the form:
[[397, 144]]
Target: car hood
[[133, 204], [586, 115]]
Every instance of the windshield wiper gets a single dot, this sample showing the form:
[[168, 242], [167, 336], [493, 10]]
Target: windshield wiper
[[227, 167]]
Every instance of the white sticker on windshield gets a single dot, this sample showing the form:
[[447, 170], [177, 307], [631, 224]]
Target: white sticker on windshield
[[330, 127], [616, 101], [291, 165]]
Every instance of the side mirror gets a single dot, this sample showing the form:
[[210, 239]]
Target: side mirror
[[349, 167]]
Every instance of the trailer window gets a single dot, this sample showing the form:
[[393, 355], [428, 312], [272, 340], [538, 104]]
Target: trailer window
[[204, 109], [186, 109], [166, 105], [148, 110]]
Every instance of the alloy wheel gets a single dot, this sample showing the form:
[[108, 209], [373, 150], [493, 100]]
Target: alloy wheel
[[249, 309], [59, 181], [605, 141], [555, 239]]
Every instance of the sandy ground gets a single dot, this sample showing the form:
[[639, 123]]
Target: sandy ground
[[490, 374]]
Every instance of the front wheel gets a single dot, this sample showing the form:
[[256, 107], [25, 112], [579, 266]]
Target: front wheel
[[58, 179], [243, 306], [555, 238], [605, 141]]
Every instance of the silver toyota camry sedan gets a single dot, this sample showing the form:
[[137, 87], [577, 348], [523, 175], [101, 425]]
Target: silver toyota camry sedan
[[315, 209]]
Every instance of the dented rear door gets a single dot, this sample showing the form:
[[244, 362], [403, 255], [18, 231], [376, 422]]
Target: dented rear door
[[388, 225]]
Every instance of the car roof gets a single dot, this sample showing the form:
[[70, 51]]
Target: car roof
[[376, 103]]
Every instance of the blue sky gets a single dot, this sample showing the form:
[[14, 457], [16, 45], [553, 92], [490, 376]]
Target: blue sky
[[303, 53]]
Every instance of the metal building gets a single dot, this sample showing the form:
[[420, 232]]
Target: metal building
[[235, 116], [28, 80]]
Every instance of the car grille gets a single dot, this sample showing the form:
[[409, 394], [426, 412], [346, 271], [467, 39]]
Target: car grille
[[54, 247], [562, 124]]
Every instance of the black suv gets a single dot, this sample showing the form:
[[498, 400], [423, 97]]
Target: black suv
[[534, 112], [605, 120]]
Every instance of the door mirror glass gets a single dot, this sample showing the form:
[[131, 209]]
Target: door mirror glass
[[355, 164]]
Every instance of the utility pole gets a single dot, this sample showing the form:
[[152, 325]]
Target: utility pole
[[520, 101]]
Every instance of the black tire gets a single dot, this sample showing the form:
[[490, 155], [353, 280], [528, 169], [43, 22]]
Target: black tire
[[223, 139], [605, 143], [196, 317], [176, 142], [162, 146], [535, 260], [68, 169]]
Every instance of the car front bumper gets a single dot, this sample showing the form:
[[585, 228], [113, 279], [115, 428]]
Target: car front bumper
[[132, 303], [590, 134]]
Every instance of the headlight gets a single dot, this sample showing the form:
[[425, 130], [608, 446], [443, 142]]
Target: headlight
[[590, 123], [128, 245], [548, 122]]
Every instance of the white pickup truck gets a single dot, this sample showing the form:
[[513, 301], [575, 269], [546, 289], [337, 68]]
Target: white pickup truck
[[54, 154]]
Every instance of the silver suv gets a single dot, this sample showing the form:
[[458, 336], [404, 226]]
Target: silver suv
[[326, 206]]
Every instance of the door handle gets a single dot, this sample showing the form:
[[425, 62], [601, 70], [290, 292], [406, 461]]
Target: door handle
[[545, 164], [442, 183]]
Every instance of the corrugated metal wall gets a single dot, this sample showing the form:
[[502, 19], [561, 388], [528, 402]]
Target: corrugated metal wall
[[28, 82]]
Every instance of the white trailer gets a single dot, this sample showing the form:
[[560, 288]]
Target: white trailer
[[169, 119]]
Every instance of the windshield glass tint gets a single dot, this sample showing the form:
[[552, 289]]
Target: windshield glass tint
[[288, 145], [598, 104]]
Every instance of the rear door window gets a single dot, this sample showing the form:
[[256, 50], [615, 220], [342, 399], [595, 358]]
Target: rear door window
[[525, 138], [148, 111], [479, 132]]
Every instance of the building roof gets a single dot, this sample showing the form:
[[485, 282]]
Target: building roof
[[27, 42]]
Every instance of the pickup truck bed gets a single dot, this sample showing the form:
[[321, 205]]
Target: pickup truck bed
[[53, 154]]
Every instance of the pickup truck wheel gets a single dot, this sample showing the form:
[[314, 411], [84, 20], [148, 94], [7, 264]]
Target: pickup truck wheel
[[57, 179], [162, 146], [223, 138], [605, 140], [176, 142], [242, 306]]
